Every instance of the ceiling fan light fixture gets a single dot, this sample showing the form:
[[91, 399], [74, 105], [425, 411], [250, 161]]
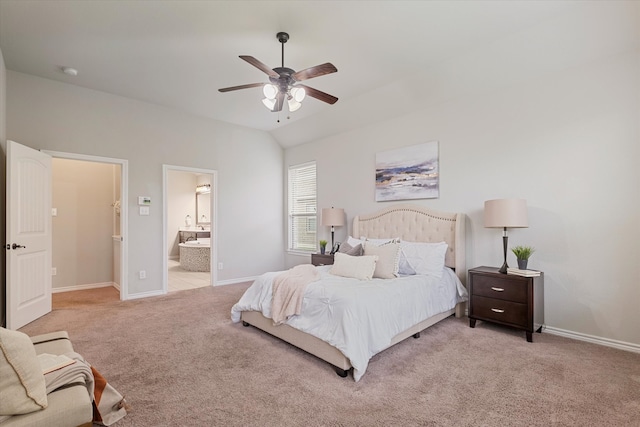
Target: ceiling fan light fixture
[[298, 93], [293, 105], [269, 103], [283, 82], [270, 91]]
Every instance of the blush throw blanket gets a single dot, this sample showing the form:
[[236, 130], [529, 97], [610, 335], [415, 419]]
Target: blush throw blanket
[[288, 291]]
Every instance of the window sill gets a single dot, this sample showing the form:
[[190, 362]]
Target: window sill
[[300, 253]]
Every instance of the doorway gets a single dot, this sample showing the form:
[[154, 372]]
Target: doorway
[[189, 228], [89, 223]]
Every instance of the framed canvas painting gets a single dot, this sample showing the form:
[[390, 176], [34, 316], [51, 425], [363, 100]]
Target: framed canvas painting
[[408, 173]]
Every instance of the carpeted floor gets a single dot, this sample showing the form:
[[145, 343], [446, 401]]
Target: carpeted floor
[[180, 361]]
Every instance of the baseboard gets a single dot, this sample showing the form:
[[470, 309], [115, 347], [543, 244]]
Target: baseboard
[[621, 345], [84, 287], [146, 294], [234, 281]]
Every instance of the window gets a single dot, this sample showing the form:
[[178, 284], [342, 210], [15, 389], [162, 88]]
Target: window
[[302, 207]]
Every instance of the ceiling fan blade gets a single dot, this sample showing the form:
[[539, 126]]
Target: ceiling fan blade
[[318, 94], [229, 89], [317, 71], [279, 102], [260, 66]]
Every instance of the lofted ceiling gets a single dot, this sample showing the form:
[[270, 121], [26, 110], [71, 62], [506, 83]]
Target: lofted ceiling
[[179, 53]]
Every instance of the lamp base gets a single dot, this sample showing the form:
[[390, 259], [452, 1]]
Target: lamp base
[[505, 239], [503, 269]]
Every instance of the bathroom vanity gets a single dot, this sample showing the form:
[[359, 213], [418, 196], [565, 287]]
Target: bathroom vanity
[[192, 233]]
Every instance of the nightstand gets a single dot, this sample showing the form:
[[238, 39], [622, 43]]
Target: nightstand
[[320, 259], [506, 299]]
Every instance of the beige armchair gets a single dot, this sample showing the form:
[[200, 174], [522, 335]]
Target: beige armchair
[[66, 407]]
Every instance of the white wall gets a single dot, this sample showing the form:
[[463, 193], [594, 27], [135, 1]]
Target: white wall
[[567, 141], [44, 114], [83, 227]]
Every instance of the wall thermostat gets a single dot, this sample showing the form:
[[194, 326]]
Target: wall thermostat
[[144, 200]]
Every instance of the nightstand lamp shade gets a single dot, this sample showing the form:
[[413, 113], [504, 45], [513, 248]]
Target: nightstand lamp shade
[[505, 213], [332, 217]]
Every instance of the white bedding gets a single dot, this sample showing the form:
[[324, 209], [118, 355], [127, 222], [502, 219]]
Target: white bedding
[[360, 317]]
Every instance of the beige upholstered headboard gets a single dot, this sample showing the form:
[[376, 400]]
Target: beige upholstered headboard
[[418, 224]]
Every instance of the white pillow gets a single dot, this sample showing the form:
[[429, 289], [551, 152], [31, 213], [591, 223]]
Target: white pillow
[[388, 255], [22, 384], [354, 242], [423, 258], [357, 267], [379, 242]]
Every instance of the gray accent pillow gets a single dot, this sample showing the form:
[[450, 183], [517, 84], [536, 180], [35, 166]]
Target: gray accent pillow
[[346, 248]]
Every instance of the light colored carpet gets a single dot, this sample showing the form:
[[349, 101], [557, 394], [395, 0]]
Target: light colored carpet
[[180, 361]]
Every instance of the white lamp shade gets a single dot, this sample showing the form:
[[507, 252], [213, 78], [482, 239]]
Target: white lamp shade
[[293, 105], [269, 103], [332, 216], [501, 213], [270, 91], [298, 93]]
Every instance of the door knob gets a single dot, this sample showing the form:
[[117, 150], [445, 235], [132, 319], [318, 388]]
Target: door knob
[[17, 246]]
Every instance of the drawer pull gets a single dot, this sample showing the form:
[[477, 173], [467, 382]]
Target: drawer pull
[[497, 289], [497, 310]]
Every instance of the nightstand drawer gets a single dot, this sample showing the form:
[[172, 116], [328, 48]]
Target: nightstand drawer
[[510, 289], [512, 313], [321, 259]]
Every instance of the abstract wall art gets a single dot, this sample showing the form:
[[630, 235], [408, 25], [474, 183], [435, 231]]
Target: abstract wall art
[[408, 173]]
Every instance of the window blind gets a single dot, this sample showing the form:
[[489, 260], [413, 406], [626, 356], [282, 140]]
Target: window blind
[[302, 207]]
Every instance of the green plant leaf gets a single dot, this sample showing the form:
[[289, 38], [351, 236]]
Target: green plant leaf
[[523, 252]]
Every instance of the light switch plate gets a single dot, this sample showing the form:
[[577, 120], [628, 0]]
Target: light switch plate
[[144, 210]]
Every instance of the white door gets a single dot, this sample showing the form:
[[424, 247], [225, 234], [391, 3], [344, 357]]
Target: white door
[[28, 244]]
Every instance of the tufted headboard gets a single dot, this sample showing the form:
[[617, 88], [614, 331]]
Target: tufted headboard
[[418, 224]]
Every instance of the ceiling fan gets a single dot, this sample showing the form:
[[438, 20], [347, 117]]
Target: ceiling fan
[[285, 82]]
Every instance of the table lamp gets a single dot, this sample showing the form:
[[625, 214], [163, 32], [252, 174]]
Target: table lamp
[[332, 217], [505, 213]]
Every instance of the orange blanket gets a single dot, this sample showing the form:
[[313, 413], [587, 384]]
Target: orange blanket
[[288, 291]]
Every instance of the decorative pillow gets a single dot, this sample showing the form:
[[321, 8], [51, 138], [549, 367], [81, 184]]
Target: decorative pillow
[[346, 248], [22, 385], [353, 242], [424, 258], [404, 268], [379, 242], [388, 256], [357, 267]]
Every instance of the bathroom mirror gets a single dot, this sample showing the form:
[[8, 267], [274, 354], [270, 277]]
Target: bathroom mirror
[[203, 208]]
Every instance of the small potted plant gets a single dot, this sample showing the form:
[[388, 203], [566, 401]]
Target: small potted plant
[[522, 253], [323, 246]]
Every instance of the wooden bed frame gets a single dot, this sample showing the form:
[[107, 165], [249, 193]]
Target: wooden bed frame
[[408, 222]]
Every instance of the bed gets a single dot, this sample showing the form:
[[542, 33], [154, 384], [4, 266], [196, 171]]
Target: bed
[[343, 350]]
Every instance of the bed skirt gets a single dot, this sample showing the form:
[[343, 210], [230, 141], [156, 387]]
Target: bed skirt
[[324, 350]]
